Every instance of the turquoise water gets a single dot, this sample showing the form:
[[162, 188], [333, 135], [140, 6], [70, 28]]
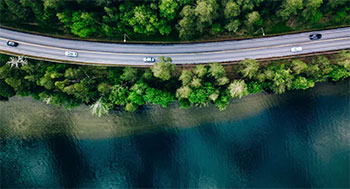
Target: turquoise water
[[299, 139]]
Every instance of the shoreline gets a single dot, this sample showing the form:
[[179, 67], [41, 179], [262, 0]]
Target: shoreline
[[83, 125]]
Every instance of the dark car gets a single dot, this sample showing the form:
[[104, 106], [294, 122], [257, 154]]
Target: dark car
[[12, 43], [315, 36]]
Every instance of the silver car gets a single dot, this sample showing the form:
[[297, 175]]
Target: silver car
[[149, 59], [71, 54], [296, 49]]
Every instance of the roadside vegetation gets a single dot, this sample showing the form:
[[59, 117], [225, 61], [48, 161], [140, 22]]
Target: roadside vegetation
[[127, 88], [172, 20]]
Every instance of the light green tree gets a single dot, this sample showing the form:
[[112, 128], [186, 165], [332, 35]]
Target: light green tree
[[186, 77], [249, 68], [131, 107], [185, 25], [231, 9], [183, 92], [207, 12], [222, 81], [216, 70], [343, 59], [238, 89], [52, 4], [103, 88], [144, 20], [129, 74], [99, 108], [298, 66], [289, 8], [200, 70], [253, 19], [302, 83], [311, 8], [168, 9], [233, 26], [196, 82], [163, 69], [325, 65]]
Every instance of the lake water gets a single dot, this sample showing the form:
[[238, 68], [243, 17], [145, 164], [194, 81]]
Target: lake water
[[299, 139]]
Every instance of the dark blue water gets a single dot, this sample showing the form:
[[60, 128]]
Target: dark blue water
[[299, 139]]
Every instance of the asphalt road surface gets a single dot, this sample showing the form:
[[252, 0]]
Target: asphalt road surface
[[132, 54]]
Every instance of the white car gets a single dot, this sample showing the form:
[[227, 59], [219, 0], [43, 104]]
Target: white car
[[71, 54], [149, 59], [296, 49]]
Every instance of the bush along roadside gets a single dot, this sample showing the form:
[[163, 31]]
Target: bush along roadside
[[127, 88]]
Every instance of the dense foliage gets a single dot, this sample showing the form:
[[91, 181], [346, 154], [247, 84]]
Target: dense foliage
[[184, 19], [105, 88]]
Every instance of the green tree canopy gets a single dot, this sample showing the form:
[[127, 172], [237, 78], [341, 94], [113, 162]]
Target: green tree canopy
[[81, 23], [200, 70], [99, 108], [343, 59], [183, 92], [207, 12], [302, 83], [129, 74], [253, 19], [163, 69], [231, 9], [186, 77], [290, 8], [217, 70], [185, 25], [144, 20], [238, 89], [299, 66], [168, 9], [249, 68]]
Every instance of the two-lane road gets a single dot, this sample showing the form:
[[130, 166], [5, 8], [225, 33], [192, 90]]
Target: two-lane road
[[133, 54]]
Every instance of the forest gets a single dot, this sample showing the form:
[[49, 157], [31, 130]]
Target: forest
[[171, 20], [127, 88]]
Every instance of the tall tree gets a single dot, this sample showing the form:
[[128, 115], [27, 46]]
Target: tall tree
[[249, 68], [238, 89], [183, 92], [302, 83], [233, 26], [253, 20], [343, 59], [207, 12], [186, 77], [298, 66], [185, 25], [99, 108], [80, 23], [16, 8], [231, 10], [200, 70], [145, 21], [311, 9], [84, 24], [290, 8], [163, 69], [168, 9], [216, 70], [129, 74]]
